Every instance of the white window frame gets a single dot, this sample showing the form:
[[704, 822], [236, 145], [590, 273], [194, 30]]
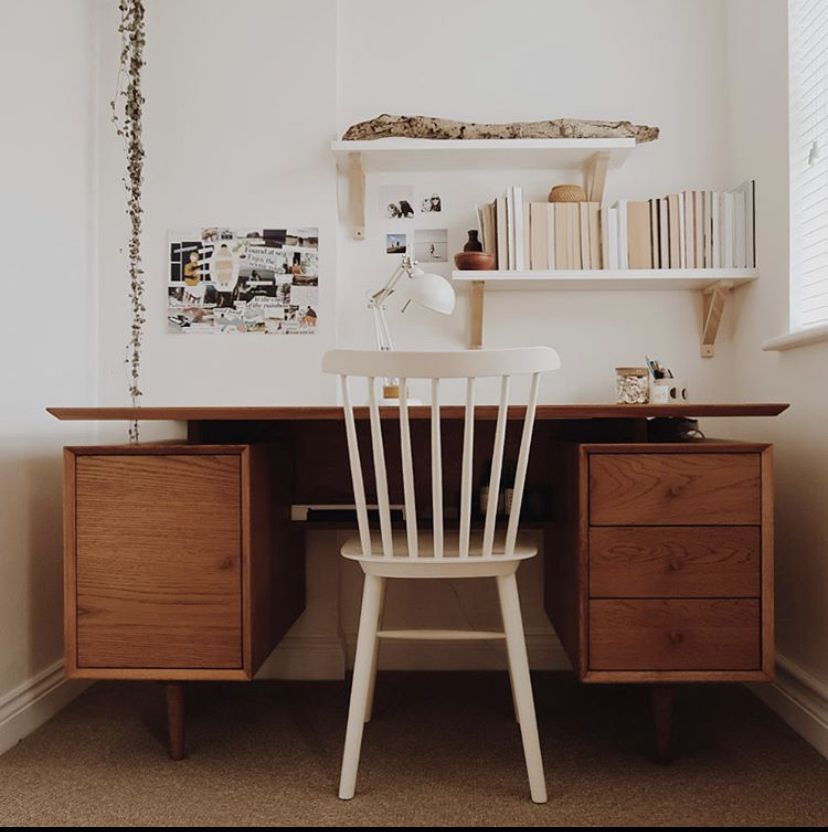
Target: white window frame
[[806, 332]]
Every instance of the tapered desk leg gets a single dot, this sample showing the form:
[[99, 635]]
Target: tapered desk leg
[[175, 719], [663, 697]]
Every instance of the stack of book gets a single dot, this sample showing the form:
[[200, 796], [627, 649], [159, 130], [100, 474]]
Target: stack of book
[[541, 235], [687, 230]]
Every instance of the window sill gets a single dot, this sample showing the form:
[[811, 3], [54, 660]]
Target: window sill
[[798, 338]]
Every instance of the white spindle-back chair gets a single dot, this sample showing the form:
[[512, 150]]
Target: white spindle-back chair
[[438, 553]]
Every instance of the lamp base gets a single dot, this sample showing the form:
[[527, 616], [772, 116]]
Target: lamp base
[[391, 397]]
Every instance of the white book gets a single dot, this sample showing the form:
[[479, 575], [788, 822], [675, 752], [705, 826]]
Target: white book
[[698, 230], [550, 234], [739, 250], [748, 189], [715, 229], [502, 233], [527, 237], [611, 225], [583, 218], [689, 226], [728, 240], [623, 249], [510, 226], [681, 233], [517, 207]]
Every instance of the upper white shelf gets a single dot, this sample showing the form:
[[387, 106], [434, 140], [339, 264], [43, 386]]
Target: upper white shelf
[[604, 279], [396, 154]]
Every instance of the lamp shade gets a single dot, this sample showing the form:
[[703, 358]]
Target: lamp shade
[[432, 291]]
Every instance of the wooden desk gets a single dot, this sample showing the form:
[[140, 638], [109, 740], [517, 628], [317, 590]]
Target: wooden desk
[[658, 556]]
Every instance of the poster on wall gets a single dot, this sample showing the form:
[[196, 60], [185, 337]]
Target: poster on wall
[[225, 280]]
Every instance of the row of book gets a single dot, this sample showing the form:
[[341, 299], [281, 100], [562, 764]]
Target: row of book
[[686, 230]]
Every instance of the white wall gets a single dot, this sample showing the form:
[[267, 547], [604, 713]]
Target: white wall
[[758, 135], [48, 337], [651, 62], [238, 121]]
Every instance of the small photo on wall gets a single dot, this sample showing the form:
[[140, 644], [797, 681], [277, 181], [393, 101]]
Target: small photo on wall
[[432, 204], [431, 245], [396, 202], [396, 243]]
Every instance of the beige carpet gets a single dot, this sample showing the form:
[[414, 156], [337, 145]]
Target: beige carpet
[[442, 750]]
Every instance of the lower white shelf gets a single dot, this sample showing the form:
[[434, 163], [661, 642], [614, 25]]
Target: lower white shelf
[[606, 279]]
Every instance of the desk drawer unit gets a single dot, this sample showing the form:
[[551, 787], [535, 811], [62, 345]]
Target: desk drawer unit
[[666, 568], [172, 563]]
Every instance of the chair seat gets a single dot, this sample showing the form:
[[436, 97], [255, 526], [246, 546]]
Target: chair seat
[[450, 565]]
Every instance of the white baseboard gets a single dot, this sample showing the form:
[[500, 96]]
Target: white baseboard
[[800, 699], [25, 708]]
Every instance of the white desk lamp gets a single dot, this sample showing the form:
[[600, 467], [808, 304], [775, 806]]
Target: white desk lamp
[[429, 290]]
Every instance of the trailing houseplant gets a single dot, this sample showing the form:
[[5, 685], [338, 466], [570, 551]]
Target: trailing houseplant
[[127, 114]]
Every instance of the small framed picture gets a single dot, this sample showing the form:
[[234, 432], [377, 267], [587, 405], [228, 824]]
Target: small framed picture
[[396, 202], [431, 203], [431, 245], [396, 243]]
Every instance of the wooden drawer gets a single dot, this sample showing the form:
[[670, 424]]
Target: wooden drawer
[[158, 561], [673, 634], [674, 561], [674, 489]]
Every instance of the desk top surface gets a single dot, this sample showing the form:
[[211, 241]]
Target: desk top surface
[[545, 412]]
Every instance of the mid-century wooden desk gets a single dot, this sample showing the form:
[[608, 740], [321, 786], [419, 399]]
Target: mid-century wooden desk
[[182, 562]]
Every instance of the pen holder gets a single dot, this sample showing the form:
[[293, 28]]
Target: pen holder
[[667, 391]]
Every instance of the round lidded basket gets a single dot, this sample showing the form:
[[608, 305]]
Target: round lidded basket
[[632, 385], [567, 193]]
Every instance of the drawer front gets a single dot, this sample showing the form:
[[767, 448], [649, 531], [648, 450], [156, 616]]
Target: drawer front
[[674, 561], [674, 634], [675, 489], [158, 561]]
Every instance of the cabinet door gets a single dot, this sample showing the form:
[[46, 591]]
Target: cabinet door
[[158, 561]]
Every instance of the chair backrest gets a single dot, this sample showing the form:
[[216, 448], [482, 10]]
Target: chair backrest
[[460, 364]]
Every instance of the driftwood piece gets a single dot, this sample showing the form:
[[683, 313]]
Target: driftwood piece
[[429, 127]]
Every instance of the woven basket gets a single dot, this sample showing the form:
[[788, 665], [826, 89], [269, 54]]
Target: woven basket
[[567, 193]]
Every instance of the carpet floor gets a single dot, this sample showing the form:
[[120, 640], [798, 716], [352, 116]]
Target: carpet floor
[[442, 750]]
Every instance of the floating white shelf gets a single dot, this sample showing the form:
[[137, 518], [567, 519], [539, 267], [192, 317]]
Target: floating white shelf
[[355, 158], [714, 285], [474, 154], [606, 279]]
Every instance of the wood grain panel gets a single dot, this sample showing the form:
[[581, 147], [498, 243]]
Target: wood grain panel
[[653, 561], [675, 489], [158, 561], [672, 634]]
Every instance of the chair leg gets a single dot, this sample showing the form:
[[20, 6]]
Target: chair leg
[[369, 705], [363, 662], [522, 685], [514, 698]]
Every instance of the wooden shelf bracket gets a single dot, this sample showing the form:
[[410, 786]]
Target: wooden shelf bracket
[[476, 303], [354, 175], [715, 298]]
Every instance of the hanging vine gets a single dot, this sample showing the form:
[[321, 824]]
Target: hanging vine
[[127, 112]]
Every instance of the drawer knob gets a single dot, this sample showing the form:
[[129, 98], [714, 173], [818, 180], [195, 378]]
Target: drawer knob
[[676, 490], [675, 564], [676, 637]]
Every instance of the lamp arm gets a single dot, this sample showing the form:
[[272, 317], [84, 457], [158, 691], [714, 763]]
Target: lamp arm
[[381, 326]]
